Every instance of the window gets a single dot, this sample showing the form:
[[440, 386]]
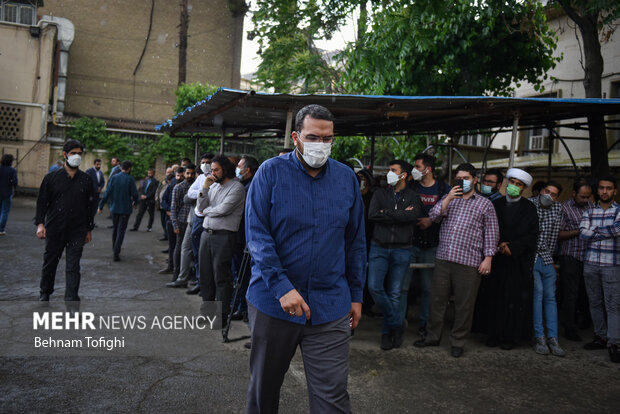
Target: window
[[19, 12], [537, 140], [11, 123], [476, 140]]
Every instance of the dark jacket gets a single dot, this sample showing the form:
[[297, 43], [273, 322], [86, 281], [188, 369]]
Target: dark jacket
[[8, 181], [150, 191], [98, 180], [394, 225], [121, 193]]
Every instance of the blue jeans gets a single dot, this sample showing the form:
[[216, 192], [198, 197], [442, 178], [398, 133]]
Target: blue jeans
[[386, 272], [419, 255], [544, 299], [5, 207], [603, 287]]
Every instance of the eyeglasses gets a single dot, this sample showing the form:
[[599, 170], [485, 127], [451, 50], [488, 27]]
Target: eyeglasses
[[315, 138]]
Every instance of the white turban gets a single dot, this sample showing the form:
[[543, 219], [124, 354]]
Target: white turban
[[520, 175]]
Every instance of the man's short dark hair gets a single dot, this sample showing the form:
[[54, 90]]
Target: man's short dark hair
[[7, 160], [427, 159], [179, 170], [403, 166], [191, 167], [151, 169], [126, 165], [497, 173], [313, 111], [556, 185], [72, 144], [207, 156], [117, 159], [96, 161], [581, 182], [187, 160], [607, 178], [466, 167], [227, 166], [538, 185], [251, 163]]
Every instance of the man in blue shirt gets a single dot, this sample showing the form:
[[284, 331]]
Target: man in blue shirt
[[305, 232], [123, 195]]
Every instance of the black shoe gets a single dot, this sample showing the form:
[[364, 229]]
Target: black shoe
[[44, 297], [387, 342], [507, 345], [423, 343], [177, 284], [456, 351], [422, 331], [492, 341], [117, 258], [166, 251], [248, 345], [614, 353], [237, 315], [166, 271], [245, 317], [193, 291], [572, 335], [398, 334], [163, 239], [149, 229], [133, 229], [597, 343]]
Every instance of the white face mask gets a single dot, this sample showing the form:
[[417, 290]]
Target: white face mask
[[74, 160], [316, 153], [205, 167], [392, 178], [416, 175]]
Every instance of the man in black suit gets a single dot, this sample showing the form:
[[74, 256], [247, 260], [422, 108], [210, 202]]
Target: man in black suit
[[98, 181], [148, 188]]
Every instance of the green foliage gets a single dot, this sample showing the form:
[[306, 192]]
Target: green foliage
[[91, 132], [189, 94], [450, 48], [349, 147]]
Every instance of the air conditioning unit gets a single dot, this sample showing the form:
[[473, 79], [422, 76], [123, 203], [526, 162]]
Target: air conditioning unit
[[539, 142]]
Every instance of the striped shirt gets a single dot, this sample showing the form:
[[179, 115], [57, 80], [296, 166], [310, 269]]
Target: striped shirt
[[469, 230], [601, 228], [549, 221], [571, 217]]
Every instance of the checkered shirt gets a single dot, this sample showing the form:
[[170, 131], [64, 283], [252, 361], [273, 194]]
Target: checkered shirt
[[469, 230], [571, 217], [549, 221], [601, 229], [179, 210]]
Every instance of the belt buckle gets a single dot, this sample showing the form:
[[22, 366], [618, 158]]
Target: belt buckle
[[210, 231]]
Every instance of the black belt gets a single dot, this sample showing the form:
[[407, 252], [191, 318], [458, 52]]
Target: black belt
[[211, 231]]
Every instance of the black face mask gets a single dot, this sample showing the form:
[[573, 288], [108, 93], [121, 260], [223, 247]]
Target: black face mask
[[169, 177]]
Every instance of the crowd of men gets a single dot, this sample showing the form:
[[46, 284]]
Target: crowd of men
[[323, 239]]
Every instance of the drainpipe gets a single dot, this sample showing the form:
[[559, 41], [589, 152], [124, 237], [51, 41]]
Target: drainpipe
[[66, 34]]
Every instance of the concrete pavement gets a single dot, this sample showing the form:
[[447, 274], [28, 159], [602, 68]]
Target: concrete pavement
[[213, 376]]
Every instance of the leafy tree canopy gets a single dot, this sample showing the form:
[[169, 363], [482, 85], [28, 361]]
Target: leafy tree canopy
[[190, 94]]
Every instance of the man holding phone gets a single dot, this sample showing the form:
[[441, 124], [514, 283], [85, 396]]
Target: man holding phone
[[468, 240]]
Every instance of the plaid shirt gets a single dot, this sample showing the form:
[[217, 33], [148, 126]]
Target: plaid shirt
[[179, 210], [602, 229], [469, 230], [549, 221], [571, 217]]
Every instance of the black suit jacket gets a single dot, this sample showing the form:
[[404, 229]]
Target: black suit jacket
[[151, 191], [97, 181]]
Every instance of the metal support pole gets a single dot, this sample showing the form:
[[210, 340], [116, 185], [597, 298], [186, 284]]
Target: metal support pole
[[513, 140], [550, 156], [372, 154], [289, 128], [196, 152], [222, 141], [450, 161]]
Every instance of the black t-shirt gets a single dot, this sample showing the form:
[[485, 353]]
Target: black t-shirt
[[65, 204], [430, 196]]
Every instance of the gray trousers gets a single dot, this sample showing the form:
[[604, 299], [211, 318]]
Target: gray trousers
[[325, 351], [603, 288], [462, 281], [216, 280], [187, 255]]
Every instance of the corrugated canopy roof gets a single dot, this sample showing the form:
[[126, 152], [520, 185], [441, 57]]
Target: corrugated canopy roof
[[243, 112]]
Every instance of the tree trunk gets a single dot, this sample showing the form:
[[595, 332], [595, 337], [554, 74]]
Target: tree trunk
[[593, 72], [183, 43]]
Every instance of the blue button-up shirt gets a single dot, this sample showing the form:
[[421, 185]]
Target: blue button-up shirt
[[307, 234]]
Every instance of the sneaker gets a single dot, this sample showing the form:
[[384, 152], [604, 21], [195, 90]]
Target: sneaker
[[614, 353], [398, 334], [555, 348], [597, 343], [422, 330], [149, 229], [386, 342], [2, 233], [541, 346]]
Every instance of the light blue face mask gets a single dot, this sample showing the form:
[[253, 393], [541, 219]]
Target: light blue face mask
[[466, 186], [486, 190], [238, 173]]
